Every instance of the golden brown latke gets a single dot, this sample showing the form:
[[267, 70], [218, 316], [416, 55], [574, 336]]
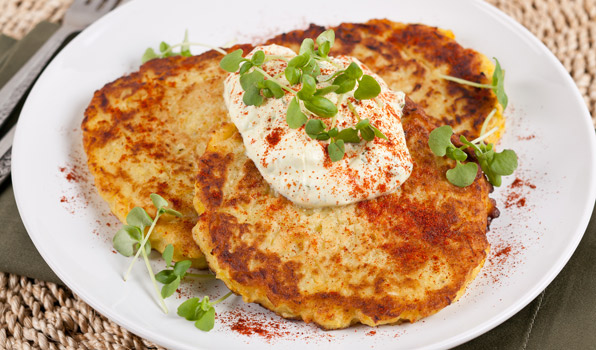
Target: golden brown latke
[[144, 132], [399, 257], [410, 57]]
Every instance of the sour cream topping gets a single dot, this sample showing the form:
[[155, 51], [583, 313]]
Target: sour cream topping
[[299, 167]]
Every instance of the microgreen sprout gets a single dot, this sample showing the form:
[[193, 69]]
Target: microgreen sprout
[[304, 69], [174, 273], [497, 83], [167, 50], [200, 311], [131, 238], [493, 164]]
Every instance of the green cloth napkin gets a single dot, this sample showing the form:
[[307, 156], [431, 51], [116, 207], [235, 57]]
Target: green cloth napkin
[[562, 317], [17, 253]]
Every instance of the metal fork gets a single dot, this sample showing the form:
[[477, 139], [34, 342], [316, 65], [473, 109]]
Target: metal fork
[[78, 16]]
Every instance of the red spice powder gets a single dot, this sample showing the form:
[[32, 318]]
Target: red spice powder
[[503, 252], [517, 183], [371, 333], [249, 324], [274, 137], [72, 174], [525, 138], [515, 197], [249, 327]]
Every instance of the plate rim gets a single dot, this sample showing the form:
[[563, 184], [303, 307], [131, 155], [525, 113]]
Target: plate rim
[[482, 328]]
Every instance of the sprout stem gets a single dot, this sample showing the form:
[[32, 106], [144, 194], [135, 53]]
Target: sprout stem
[[466, 82], [218, 49], [161, 301], [142, 247], [200, 275], [487, 120], [283, 86], [482, 137], [222, 298]]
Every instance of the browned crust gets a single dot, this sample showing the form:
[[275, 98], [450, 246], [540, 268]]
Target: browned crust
[[413, 225], [423, 51], [406, 56]]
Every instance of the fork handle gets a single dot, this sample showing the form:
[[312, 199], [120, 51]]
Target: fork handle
[[15, 88]]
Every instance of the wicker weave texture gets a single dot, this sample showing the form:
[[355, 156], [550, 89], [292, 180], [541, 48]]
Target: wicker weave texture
[[42, 315], [568, 28], [18, 17]]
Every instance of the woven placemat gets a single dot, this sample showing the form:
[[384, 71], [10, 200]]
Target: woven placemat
[[18, 17], [37, 314]]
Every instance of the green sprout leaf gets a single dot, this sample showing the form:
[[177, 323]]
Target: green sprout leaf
[[168, 289], [171, 212], [325, 41], [366, 131], [349, 135], [314, 127], [207, 320], [168, 254], [321, 106], [231, 62], [127, 239], [245, 67], [326, 90], [163, 47], [185, 47], [336, 150], [181, 266], [378, 133], [368, 88], [258, 58], [294, 116], [158, 201], [201, 312], [299, 60], [252, 97], [149, 55], [324, 136], [499, 84], [353, 71], [345, 84], [275, 89], [307, 46], [293, 74], [251, 80], [504, 163], [312, 68], [309, 87], [139, 217], [440, 139], [333, 132], [190, 309], [165, 276], [463, 174], [493, 164], [456, 154]]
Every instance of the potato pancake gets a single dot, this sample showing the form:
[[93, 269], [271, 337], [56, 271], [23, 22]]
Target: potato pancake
[[399, 257], [144, 132]]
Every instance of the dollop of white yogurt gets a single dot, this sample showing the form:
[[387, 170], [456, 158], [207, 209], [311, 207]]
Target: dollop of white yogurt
[[299, 167]]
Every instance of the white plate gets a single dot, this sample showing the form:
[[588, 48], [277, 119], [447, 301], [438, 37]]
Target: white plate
[[539, 228]]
